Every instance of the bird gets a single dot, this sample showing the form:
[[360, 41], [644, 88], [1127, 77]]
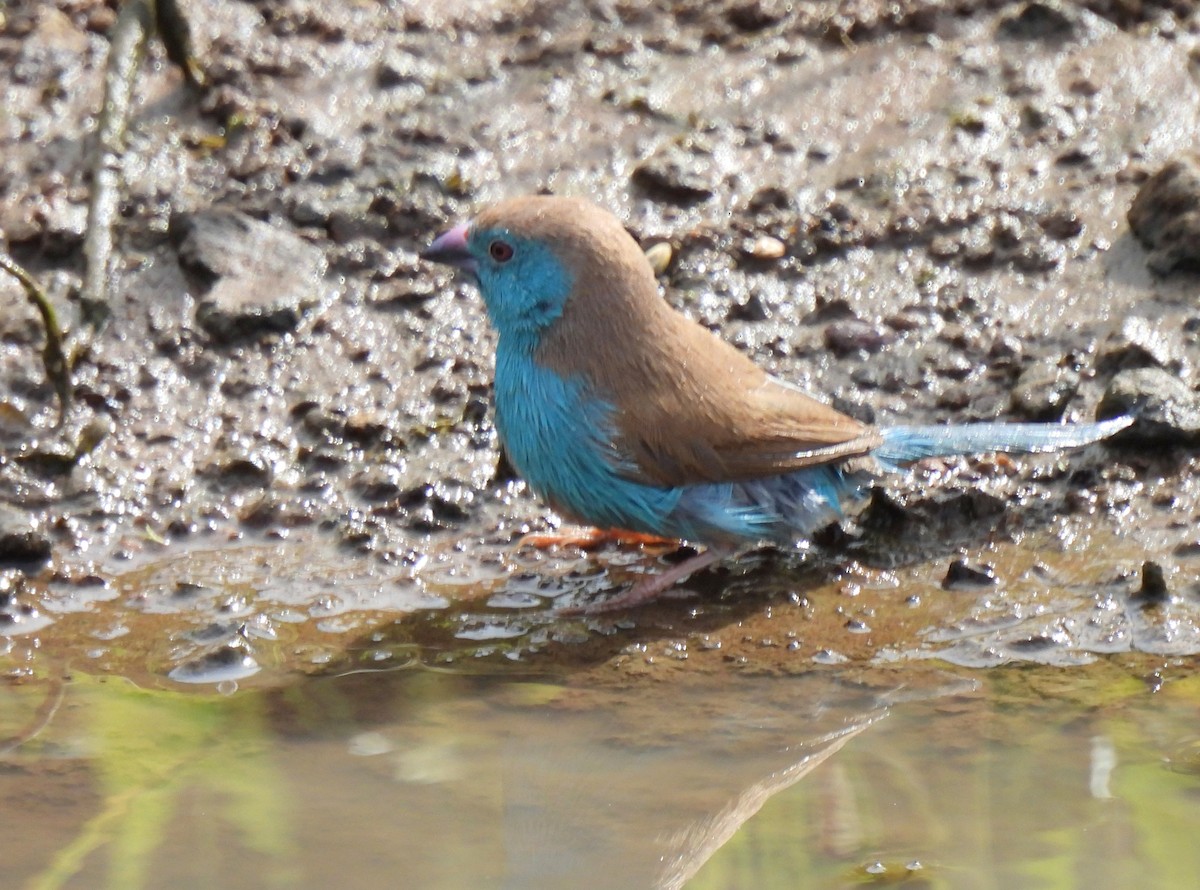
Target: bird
[[622, 413]]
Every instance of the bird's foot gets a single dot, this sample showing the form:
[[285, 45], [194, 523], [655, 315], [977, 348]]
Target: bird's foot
[[650, 587], [591, 538]]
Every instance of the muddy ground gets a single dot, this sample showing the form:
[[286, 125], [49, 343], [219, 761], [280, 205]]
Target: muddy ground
[[918, 209]]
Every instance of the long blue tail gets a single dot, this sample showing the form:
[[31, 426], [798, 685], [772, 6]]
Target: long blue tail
[[905, 444]]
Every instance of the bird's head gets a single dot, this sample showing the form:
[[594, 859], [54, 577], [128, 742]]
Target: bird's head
[[531, 256]]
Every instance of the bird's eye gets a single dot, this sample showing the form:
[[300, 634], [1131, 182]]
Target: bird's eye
[[500, 251]]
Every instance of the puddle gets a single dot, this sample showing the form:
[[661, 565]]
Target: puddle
[[250, 716], [834, 778]]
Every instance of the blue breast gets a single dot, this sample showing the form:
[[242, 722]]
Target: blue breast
[[561, 442]]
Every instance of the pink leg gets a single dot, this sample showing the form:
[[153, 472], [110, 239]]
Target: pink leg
[[651, 587]]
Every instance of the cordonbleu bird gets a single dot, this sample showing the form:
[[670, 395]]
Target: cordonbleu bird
[[622, 413]]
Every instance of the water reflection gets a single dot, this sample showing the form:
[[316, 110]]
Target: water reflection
[[430, 779]]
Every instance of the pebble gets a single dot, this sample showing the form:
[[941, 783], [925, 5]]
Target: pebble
[[252, 278], [765, 247], [659, 256], [1140, 344], [1165, 216], [962, 575], [851, 335], [1044, 390], [676, 175], [1047, 21], [20, 542], [1166, 410]]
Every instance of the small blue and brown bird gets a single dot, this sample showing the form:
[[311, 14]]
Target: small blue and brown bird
[[624, 414]]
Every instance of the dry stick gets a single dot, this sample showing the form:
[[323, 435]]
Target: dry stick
[[133, 27], [53, 355], [137, 21]]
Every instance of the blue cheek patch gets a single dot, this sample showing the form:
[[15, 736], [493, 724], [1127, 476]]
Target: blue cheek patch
[[527, 293]]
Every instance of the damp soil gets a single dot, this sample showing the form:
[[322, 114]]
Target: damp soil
[[916, 209]]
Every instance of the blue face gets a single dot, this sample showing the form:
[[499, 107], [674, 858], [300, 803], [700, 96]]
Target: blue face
[[523, 283]]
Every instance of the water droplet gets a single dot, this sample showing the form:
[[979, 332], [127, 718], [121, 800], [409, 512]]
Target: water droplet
[[491, 631], [369, 744], [229, 662], [828, 656]]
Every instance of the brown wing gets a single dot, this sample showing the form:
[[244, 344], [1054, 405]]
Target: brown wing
[[691, 408], [721, 418]]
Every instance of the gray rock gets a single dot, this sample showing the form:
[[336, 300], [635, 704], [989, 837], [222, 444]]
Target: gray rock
[[1048, 21], [21, 543], [252, 278], [850, 335], [1165, 216], [1043, 390], [676, 175], [1166, 410], [1140, 344]]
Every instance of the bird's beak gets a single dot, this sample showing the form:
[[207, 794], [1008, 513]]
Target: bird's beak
[[451, 248]]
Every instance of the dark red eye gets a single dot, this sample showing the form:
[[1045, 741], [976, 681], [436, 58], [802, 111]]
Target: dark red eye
[[500, 251]]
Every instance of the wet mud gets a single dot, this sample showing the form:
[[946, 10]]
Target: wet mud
[[280, 466]]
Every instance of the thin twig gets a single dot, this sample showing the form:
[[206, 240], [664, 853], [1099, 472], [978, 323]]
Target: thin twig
[[54, 356], [132, 29], [41, 719]]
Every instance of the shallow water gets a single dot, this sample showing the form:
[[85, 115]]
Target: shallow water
[[1040, 732], [1018, 777]]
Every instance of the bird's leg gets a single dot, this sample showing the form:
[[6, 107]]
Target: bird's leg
[[591, 538], [650, 587]]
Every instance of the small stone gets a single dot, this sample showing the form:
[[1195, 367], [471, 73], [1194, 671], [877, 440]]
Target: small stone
[[233, 469], [1061, 224], [398, 68], [378, 484], [1140, 344], [1044, 390], [251, 278], [1165, 410], [1165, 216], [676, 175], [659, 256], [852, 335], [765, 247], [21, 543], [962, 575], [757, 15], [369, 427], [1154, 585], [1041, 20], [1187, 549]]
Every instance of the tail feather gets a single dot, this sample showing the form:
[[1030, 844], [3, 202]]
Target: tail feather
[[905, 444]]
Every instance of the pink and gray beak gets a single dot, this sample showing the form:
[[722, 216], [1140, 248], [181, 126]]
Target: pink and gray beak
[[451, 248]]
